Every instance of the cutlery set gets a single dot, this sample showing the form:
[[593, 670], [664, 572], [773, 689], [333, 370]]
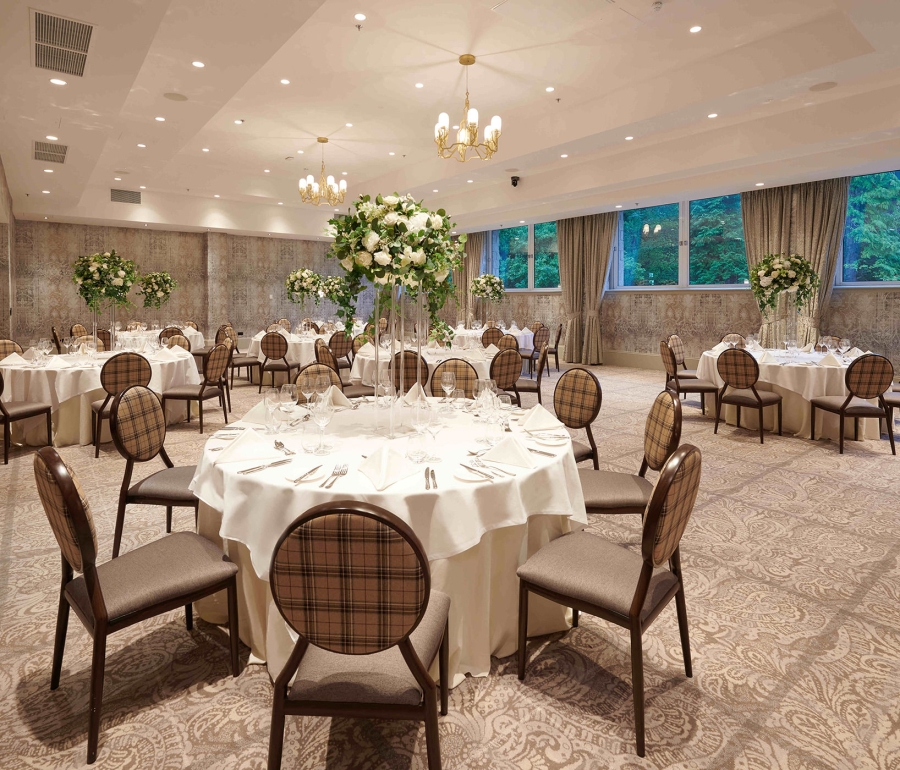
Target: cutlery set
[[339, 470], [432, 481]]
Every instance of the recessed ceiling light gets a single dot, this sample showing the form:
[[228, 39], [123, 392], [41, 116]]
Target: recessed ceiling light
[[265, 170], [420, 85], [143, 187], [392, 153], [713, 115], [760, 184], [239, 121], [696, 29], [360, 17], [117, 179], [215, 196], [619, 206], [46, 192], [563, 156], [337, 209], [521, 221], [52, 138], [145, 224], [299, 152], [434, 191], [453, 232], [142, 145], [199, 64], [57, 82], [160, 119], [46, 217], [628, 138], [549, 89], [285, 82], [48, 170], [455, 128], [343, 173], [470, 181], [280, 203], [349, 125], [206, 149]]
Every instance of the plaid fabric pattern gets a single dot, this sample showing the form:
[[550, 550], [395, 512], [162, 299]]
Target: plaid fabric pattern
[[737, 368], [104, 336], [192, 325], [284, 323], [577, 398], [221, 335], [77, 330], [348, 583], [491, 337], [326, 357], [869, 376], [676, 510], [58, 514], [216, 364], [340, 344], [559, 332], [506, 368], [508, 342], [232, 334], [140, 423], [273, 345], [542, 363], [677, 346], [358, 341], [535, 326], [409, 362], [382, 325], [737, 339], [125, 369], [88, 338], [541, 338], [465, 376], [660, 431], [668, 358], [168, 332], [314, 370], [181, 341], [8, 347]]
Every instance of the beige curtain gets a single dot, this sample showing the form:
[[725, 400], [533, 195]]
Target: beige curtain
[[570, 239], [821, 210], [470, 270], [599, 231]]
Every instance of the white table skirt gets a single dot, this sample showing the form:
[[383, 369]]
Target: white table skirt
[[191, 335], [475, 535], [301, 350], [363, 369], [797, 384], [524, 336]]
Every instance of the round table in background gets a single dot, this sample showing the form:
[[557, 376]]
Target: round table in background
[[363, 369]]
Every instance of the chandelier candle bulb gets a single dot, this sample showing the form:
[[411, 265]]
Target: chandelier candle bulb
[[472, 117]]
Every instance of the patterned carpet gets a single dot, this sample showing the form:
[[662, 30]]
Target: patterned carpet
[[793, 587]]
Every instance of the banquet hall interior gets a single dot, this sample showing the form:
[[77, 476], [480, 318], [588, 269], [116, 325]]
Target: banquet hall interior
[[365, 368]]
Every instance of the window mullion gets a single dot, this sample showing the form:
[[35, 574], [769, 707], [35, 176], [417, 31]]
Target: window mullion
[[684, 240], [531, 257]]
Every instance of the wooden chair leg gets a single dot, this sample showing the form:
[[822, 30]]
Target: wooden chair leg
[[233, 630], [812, 421], [779, 419], [841, 437], [718, 412], [761, 441], [97, 429], [120, 525], [523, 627], [189, 410], [681, 611], [444, 669], [276, 732], [168, 518], [224, 408], [889, 419], [637, 686], [50, 429], [188, 617], [59, 644], [200, 410], [738, 417], [98, 666], [432, 736], [6, 442], [574, 618]]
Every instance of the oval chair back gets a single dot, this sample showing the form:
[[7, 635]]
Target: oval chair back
[[465, 376], [168, 332], [8, 347], [179, 340], [869, 376], [506, 368], [408, 361], [736, 339], [87, 338], [491, 336], [359, 340], [677, 345], [326, 357], [662, 431], [508, 342], [77, 330], [313, 371], [340, 344]]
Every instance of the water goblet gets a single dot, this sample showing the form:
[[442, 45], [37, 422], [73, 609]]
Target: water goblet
[[288, 395], [309, 438], [448, 384], [416, 451], [459, 399], [306, 384], [271, 398], [323, 382], [844, 346], [322, 413]]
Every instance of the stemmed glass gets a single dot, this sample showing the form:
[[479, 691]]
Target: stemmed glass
[[322, 412], [306, 384], [448, 385], [459, 399], [844, 347], [272, 399], [384, 387], [287, 398], [323, 382]]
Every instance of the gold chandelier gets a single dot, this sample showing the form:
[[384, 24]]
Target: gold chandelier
[[466, 146], [326, 190]]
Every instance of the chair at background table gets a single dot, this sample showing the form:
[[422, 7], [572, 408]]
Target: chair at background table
[[180, 340], [491, 336], [554, 348], [505, 371], [409, 362], [868, 377], [541, 338], [341, 346], [314, 371], [118, 373], [577, 401], [739, 371], [238, 360], [612, 582], [735, 339], [465, 376], [358, 341], [156, 578], [683, 387], [13, 411], [88, 339], [8, 347], [214, 367], [57, 342], [77, 330], [167, 333], [284, 323], [677, 345], [105, 337], [535, 325], [508, 342], [325, 357], [192, 325], [353, 582], [274, 349], [313, 326], [533, 386]]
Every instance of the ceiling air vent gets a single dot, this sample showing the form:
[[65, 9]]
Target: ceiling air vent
[[125, 196], [50, 152], [60, 44]]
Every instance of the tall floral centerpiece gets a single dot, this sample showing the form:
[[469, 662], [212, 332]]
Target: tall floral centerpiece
[[156, 288], [782, 283], [104, 280], [303, 284], [489, 288]]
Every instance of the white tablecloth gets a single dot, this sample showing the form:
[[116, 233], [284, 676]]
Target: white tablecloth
[[301, 350], [797, 383], [475, 534], [70, 393], [524, 336], [192, 335], [363, 369]]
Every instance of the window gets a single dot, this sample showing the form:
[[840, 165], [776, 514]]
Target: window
[[872, 230], [525, 257], [717, 253], [649, 246]]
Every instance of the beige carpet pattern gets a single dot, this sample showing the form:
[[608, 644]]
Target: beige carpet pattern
[[793, 589]]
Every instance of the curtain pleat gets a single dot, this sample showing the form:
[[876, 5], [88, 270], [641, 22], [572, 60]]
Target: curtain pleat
[[470, 270], [599, 231], [570, 240]]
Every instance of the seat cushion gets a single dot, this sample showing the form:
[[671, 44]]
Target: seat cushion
[[380, 678], [240, 361], [893, 400], [695, 385], [582, 451], [593, 570], [19, 410], [277, 366], [857, 407], [608, 490], [191, 391], [167, 484], [357, 391], [175, 565], [526, 385], [687, 374], [745, 397], [896, 387], [98, 405]]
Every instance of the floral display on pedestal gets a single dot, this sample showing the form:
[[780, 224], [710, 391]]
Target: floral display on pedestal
[[156, 288], [104, 280], [303, 284], [489, 288], [783, 286]]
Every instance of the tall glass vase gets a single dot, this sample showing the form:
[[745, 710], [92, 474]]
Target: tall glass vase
[[112, 327], [95, 323]]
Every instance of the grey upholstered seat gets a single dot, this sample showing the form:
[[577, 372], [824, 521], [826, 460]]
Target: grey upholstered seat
[[745, 397], [561, 566], [608, 489], [383, 677], [193, 391], [167, 484], [582, 451], [858, 407], [18, 410], [278, 366], [687, 374], [173, 566], [357, 391], [103, 405]]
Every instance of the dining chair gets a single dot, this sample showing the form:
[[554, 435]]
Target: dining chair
[[353, 582], [77, 330], [536, 325], [409, 362], [830, 338], [612, 582], [554, 348], [350, 390], [541, 338], [192, 325], [614, 492], [341, 346], [275, 327], [8, 347], [238, 360], [274, 348], [311, 324], [740, 373], [358, 341], [534, 386], [576, 400], [683, 387], [168, 332], [57, 342], [284, 323], [892, 402], [867, 377], [508, 342], [88, 338], [13, 411], [156, 578], [677, 345], [180, 340], [223, 384], [215, 364], [120, 371], [465, 376], [736, 339], [491, 336], [138, 426], [506, 368], [314, 371], [133, 326]]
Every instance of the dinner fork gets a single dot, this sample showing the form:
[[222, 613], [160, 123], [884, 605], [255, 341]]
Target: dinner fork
[[342, 472], [336, 472], [479, 463], [281, 447]]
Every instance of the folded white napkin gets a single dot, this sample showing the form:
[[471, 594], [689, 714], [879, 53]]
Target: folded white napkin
[[767, 358], [754, 345], [475, 354], [538, 418], [510, 452], [29, 355], [249, 446], [854, 353], [719, 348], [526, 330], [491, 350], [460, 327], [258, 415], [415, 393], [514, 328], [259, 336], [366, 350], [179, 352], [13, 359], [808, 348], [830, 360], [336, 396], [58, 362], [386, 466], [166, 354]]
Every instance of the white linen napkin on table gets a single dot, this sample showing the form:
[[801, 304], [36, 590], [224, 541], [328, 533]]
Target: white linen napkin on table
[[366, 350], [336, 396], [854, 353], [537, 419], [178, 352], [259, 336], [386, 466], [13, 359], [258, 415], [29, 354], [514, 327], [809, 347], [165, 354], [475, 354], [491, 350], [415, 393], [248, 446], [526, 330], [719, 348], [830, 360], [754, 345], [58, 362], [510, 452], [767, 358]]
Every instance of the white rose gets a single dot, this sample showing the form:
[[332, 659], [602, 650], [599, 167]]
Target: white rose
[[160, 294], [363, 258], [760, 273], [128, 283], [441, 275], [775, 273], [419, 257], [78, 281], [117, 281], [418, 222], [383, 258], [437, 222], [96, 276], [121, 274], [370, 241], [347, 263], [765, 281], [391, 200], [381, 280], [106, 254], [391, 218], [791, 274], [411, 282]]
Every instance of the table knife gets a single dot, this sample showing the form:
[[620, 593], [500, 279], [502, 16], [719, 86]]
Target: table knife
[[478, 472], [305, 475]]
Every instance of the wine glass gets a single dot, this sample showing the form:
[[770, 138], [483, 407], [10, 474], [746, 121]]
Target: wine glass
[[306, 384], [323, 382], [288, 395], [844, 346], [384, 386], [272, 400], [415, 448], [448, 384], [322, 412], [459, 399]]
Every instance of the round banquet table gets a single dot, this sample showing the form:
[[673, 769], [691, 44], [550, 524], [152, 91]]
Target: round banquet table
[[475, 534], [71, 391], [301, 350], [191, 335], [363, 369], [798, 383], [524, 336]]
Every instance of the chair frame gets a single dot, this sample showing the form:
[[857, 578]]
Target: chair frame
[[554, 348], [494, 332], [543, 361], [537, 344], [97, 417], [684, 366], [265, 363], [425, 712], [8, 421], [511, 387], [595, 456], [676, 386], [421, 365], [436, 381], [207, 383], [722, 396]]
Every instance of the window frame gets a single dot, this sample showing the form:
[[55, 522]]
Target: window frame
[[530, 289]]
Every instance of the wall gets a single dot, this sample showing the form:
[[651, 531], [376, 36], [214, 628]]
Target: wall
[[7, 241]]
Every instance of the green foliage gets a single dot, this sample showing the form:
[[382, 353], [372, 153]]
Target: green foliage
[[546, 256], [717, 241], [872, 231], [650, 246], [105, 279], [509, 247]]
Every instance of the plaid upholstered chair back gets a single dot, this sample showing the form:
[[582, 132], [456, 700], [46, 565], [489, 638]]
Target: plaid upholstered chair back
[[221, 335], [87, 338], [312, 371], [216, 363], [577, 398], [232, 334], [830, 338], [506, 368], [273, 345], [382, 325], [671, 504], [125, 369], [409, 362], [508, 342], [542, 362], [737, 368], [179, 340], [275, 327], [358, 341], [325, 356], [137, 424], [104, 336], [192, 325], [736, 339], [350, 578], [662, 431], [559, 332], [66, 507], [340, 344], [668, 358], [677, 346], [77, 330], [491, 336], [465, 376], [132, 326], [541, 338], [57, 342], [869, 376], [284, 323], [169, 332], [8, 347], [536, 325]]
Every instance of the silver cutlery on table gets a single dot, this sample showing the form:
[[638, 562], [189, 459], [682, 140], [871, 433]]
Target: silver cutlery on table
[[335, 477], [309, 473], [282, 448], [433, 479], [267, 465], [335, 472], [479, 463], [427, 479], [477, 472], [539, 452], [217, 449]]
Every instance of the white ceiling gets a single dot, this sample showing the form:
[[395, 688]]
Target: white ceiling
[[619, 68]]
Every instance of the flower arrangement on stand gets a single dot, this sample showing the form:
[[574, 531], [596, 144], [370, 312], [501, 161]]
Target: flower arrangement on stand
[[488, 287], [441, 333], [157, 288], [303, 284], [104, 280], [791, 278]]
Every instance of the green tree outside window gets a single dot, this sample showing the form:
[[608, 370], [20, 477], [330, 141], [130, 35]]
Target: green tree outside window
[[717, 247], [872, 230]]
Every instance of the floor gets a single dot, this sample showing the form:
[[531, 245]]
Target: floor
[[793, 588]]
